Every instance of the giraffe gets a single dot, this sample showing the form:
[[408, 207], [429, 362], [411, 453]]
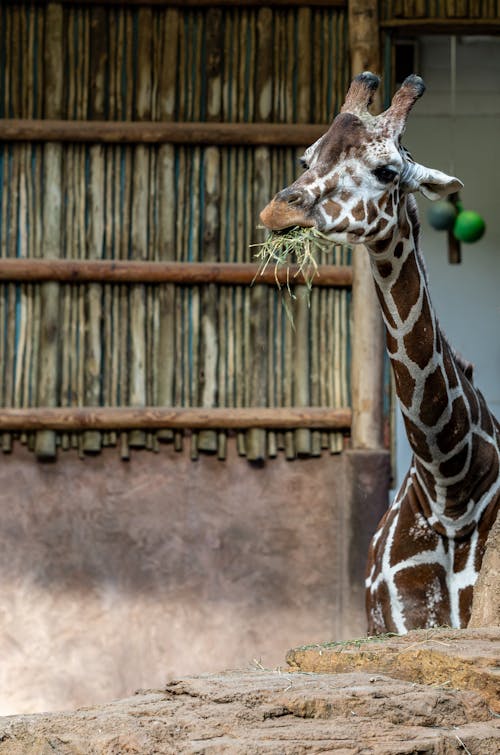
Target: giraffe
[[357, 187]]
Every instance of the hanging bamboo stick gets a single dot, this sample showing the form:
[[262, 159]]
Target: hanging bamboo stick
[[45, 445]]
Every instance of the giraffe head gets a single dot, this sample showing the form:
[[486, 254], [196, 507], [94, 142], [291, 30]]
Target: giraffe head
[[357, 173]]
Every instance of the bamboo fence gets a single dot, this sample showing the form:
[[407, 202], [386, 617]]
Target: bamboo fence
[[121, 342], [412, 10]]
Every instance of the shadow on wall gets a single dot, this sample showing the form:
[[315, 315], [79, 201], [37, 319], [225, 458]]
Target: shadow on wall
[[117, 575]]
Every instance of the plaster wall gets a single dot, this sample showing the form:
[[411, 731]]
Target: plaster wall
[[119, 575]]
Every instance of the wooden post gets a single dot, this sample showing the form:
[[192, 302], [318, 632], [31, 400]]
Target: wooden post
[[45, 443], [367, 332]]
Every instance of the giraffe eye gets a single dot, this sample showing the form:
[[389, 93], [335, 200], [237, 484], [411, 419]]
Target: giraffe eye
[[385, 174], [303, 162]]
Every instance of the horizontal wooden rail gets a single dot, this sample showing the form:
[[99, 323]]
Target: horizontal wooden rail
[[138, 271], [158, 132], [157, 418], [442, 25], [196, 3]]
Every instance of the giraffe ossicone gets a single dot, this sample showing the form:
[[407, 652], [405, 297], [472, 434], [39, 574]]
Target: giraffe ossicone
[[357, 187]]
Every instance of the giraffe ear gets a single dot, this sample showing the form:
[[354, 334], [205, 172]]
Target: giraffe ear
[[435, 185]]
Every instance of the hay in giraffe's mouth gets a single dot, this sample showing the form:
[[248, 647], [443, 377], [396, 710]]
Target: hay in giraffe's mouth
[[295, 247]]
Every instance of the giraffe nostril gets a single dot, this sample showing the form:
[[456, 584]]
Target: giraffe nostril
[[293, 198]]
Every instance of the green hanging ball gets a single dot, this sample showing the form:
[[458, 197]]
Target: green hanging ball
[[469, 226], [442, 215]]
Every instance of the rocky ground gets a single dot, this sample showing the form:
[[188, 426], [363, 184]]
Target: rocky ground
[[296, 711]]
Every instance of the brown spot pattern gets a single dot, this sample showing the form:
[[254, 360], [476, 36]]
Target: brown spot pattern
[[413, 535], [334, 209], [379, 227], [417, 439], [454, 464], [342, 226], [405, 383], [419, 343], [381, 244], [378, 605], [430, 486], [414, 586], [346, 133], [387, 315], [465, 604], [358, 212], [398, 252], [406, 288], [455, 429], [391, 342], [461, 555], [404, 229], [385, 268], [449, 367], [372, 211], [434, 399], [485, 467]]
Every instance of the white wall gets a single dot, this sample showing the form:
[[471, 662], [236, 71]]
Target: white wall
[[466, 297]]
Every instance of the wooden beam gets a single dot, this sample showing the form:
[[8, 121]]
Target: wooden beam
[[196, 3], [189, 273], [442, 25], [367, 342], [159, 132], [155, 418]]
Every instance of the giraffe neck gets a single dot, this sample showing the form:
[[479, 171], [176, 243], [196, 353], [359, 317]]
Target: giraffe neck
[[438, 402]]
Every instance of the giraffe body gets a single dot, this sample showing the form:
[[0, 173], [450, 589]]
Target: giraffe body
[[358, 187]]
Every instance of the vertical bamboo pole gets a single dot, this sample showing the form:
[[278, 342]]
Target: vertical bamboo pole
[[127, 62], [45, 444], [139, 228], [91, 442], [168, 197], [195, 220], [4, 233], [367, 334], [257, 368], [112, 293], [209, 346], [301, 344]]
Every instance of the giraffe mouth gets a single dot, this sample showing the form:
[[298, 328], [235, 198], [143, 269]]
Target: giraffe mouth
[[281, 216]]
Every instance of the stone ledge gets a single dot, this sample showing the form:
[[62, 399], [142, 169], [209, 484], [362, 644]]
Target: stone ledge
[[267, 712], [464, 659]]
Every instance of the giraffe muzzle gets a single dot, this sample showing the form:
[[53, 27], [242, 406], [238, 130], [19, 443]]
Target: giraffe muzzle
[[280, 214]]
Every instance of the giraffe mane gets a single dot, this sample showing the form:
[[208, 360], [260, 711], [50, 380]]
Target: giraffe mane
[[466, 367]]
